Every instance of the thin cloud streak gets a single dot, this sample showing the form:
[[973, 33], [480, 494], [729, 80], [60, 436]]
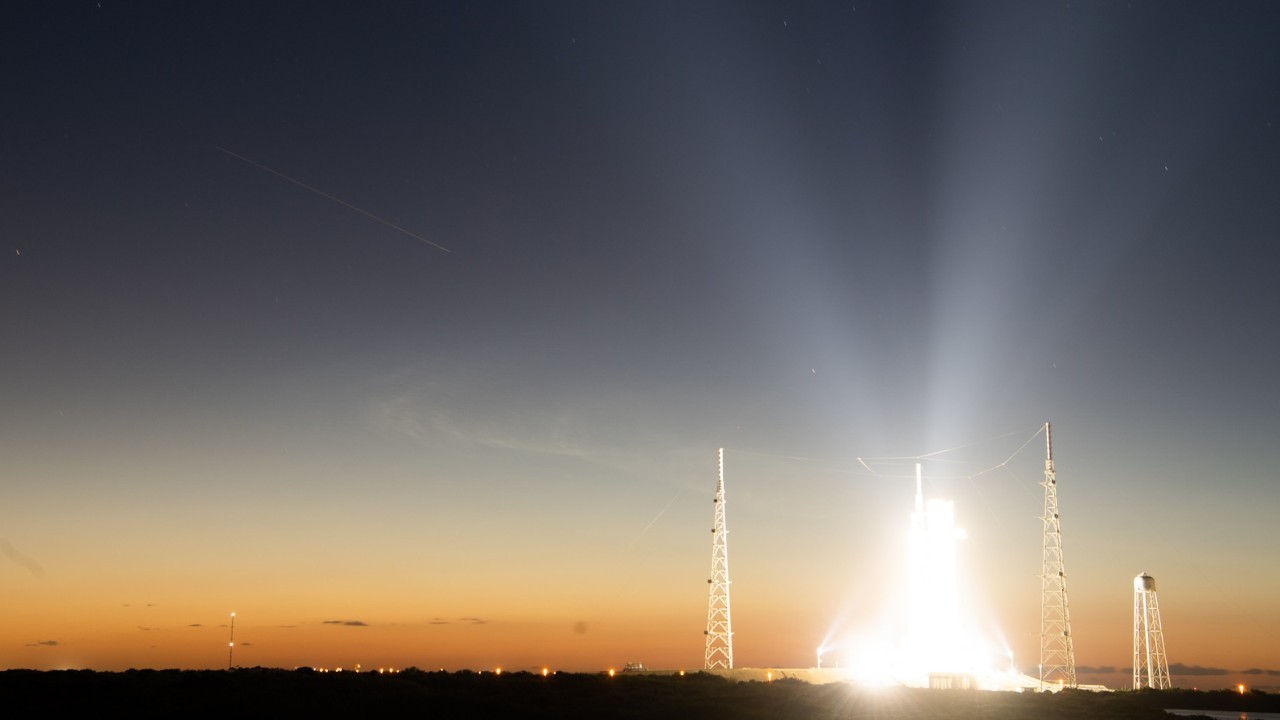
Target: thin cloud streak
[[1196, 670], [31, 565]]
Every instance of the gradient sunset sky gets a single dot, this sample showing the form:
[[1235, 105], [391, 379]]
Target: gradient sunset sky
[[409, 331]]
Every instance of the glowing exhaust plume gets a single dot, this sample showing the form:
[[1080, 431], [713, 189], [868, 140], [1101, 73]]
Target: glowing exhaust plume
[[933, 612], [938, 645]]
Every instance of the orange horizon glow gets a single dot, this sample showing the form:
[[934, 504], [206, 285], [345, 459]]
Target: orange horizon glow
[[403, 596]]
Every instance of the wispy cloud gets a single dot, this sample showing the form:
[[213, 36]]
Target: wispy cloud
[[469, 408], [425, 411], [195, 625], [465, 620], [1193, 670], [32, 566], [348, 623], [44, 643], [1178, 669]]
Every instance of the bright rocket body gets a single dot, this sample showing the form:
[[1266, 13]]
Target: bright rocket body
[[937, 642], [933, 641]]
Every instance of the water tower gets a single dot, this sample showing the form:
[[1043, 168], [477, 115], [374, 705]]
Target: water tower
[[1150, 666]]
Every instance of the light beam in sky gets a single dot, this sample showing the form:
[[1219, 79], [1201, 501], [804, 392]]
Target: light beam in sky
[[340, 201]]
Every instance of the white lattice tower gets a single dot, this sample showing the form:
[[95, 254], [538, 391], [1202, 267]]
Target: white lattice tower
[[1150, 666], [1057, 652], [719, 628]]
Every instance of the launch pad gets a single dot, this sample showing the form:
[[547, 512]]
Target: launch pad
[[1010, 681], [934, 644]]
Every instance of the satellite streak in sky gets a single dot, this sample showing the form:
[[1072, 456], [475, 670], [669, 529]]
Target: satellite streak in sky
[[338, 200], [654, 520]]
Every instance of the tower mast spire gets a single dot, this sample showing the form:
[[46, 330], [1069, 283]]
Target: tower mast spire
[[1057, 651], [719, 651]]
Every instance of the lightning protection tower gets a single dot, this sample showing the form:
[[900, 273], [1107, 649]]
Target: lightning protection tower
[[719, 629], [1057, 652], [1150, 666]]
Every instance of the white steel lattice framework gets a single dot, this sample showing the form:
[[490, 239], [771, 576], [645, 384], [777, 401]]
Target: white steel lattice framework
[[1057, 652], [719, 629], [1150, 666]]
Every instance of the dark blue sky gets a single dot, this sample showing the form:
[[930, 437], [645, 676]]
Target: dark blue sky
[[818, 230]]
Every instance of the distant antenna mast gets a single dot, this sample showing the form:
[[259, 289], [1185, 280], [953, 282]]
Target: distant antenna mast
[[231, 646], [1057, 653], [1150, 666], [719, 630]]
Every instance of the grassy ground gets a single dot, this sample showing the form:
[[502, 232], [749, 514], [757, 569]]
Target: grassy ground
[[287, 693]]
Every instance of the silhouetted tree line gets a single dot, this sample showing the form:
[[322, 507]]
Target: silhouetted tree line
[[265, 692]]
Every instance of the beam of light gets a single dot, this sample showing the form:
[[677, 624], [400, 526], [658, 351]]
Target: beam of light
[[340, 201]]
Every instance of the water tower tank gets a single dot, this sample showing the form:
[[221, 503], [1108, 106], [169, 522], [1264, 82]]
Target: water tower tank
[[1144, 583]]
